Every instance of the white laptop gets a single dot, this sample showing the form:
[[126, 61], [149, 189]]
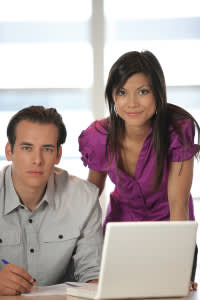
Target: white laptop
[[143, 259]]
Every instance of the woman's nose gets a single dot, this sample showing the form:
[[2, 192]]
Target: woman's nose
[[132, 100]]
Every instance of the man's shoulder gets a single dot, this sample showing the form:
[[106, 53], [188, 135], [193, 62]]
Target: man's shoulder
[[2, 175], [72, 184]]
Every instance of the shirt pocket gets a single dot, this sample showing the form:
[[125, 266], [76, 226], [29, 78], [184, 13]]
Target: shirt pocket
[[10, 238], [11, 248], [58, 245], [58, 235]]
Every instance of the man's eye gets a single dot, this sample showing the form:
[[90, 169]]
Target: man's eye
[[143, 92], [26, 148], [47, 149]]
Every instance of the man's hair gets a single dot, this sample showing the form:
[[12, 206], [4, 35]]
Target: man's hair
[[37, 114]]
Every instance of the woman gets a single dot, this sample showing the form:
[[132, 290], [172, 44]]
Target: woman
[[146, 145]]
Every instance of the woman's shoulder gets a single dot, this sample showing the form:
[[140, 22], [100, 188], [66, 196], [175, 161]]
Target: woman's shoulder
[[182, 127], [181, 140], [92, 145], [179, 119], [97, 130]]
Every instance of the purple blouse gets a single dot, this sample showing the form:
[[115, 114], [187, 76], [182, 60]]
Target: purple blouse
[[133, 198]]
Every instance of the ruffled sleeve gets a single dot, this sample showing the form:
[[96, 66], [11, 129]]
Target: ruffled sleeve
[[92, 145], [178, 152]]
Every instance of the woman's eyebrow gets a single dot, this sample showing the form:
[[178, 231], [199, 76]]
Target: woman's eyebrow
[[144, 85]]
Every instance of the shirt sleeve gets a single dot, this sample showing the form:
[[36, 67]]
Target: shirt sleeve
[[177, 151], [87, 257], [92, 145]]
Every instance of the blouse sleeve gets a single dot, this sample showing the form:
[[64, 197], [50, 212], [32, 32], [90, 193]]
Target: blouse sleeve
[[92, 145], [177, 151]]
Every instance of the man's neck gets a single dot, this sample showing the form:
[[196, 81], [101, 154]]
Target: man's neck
[[30, 197]]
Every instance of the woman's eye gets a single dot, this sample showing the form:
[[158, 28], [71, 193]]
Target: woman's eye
[[143, 92], [121, 92]]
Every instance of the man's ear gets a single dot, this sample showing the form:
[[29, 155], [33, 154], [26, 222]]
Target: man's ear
[[8, 151], [59, 154]]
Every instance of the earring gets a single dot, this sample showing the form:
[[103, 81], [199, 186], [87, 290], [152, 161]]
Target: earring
[[115, 110]]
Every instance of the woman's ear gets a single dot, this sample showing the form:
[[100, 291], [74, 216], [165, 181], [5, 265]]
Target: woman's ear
[[8, 151]]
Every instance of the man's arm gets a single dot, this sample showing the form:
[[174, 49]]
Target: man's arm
[[15, 280], [87, 256]]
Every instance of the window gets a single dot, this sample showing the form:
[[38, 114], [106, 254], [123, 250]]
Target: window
[[170, 29], [46, 59], [58, 53]]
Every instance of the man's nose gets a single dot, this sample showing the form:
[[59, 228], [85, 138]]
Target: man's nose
[[37, 157]]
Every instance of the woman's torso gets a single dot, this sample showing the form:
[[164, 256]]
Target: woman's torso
[[133, 198]]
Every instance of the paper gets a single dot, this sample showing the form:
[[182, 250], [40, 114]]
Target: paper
[[51, 290]]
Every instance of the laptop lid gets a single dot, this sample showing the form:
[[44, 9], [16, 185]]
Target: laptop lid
[[147, 259]]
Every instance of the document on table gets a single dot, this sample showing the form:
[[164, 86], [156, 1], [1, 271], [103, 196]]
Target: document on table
[[52, 290]]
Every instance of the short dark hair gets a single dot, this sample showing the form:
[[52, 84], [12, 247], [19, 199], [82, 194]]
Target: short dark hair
[[37, 114]]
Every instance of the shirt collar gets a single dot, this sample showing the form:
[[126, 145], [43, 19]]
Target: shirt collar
[[49, 193], [12, 200]]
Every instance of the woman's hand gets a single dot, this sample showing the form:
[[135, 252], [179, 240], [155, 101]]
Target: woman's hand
[[193, 286]]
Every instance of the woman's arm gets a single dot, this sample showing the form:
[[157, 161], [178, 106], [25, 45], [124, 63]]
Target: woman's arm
[[179, 185], [97, 178]]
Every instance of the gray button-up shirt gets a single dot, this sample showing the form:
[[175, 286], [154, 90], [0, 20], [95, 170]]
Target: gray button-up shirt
[[63, 233]]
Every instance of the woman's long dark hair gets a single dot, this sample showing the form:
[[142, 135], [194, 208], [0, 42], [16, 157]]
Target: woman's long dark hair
[[166, 114]]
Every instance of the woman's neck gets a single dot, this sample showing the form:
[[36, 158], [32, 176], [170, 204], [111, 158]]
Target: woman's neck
[[136, 133]]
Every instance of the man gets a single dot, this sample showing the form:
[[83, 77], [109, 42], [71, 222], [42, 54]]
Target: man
[[50, 222]]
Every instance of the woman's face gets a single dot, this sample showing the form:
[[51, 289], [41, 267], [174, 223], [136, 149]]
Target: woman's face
[[135, 102]]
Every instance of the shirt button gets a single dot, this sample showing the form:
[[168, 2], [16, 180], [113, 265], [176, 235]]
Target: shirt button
[[30, 221], [31, 250], [60, 236], [1, 241]]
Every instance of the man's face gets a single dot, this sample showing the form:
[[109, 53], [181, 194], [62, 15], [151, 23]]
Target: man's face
[[34, 154]]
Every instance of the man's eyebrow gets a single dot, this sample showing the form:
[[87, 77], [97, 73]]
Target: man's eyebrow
[[49, 145], [25, 143], [29, 144]]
